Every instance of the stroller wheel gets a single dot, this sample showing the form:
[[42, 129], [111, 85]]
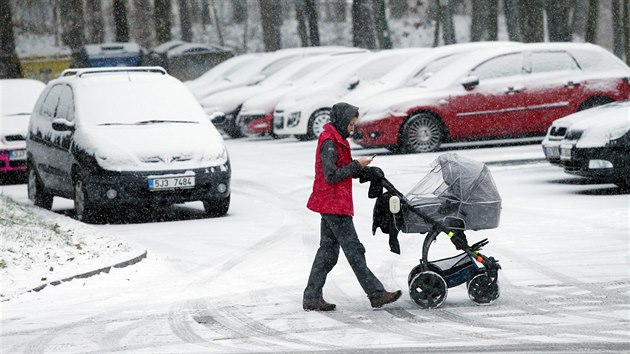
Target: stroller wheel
[[418, 269], [483, 290], [428, 289]]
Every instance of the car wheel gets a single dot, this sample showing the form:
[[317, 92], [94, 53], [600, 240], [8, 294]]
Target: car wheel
[[421, 133], [316, 123], [36, 191], [83, 208], [217, 207]]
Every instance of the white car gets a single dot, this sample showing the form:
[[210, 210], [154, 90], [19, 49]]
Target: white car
[[416, 69], [266, 64], [115, 137], [230, 101], [221, 71], [256, 114], [305, 112], [18, 98]]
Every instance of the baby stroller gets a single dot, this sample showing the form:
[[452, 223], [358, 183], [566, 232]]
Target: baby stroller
[[458, 194]]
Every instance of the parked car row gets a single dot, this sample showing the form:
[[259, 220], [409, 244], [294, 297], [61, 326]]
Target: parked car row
[[414, 100], [114, 137]]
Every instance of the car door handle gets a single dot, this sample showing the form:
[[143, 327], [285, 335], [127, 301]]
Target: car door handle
[[512, 90], [572, 84]]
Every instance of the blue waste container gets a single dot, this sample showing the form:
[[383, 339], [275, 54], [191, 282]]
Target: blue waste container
[[110, 54]]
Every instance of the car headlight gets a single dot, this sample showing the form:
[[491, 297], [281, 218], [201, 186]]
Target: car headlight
[[214, 158]]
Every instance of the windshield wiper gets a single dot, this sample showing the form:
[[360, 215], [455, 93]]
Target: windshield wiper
[[157, 121]]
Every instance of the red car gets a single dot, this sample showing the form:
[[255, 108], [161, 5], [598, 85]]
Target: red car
[[514, 91]]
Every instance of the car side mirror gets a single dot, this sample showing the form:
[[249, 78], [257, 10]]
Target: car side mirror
[[353, 82], [394, 204], [62, 125], [470, 82], [257, 79]]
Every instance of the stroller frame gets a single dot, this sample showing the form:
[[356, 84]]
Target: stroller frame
[[429, 283]]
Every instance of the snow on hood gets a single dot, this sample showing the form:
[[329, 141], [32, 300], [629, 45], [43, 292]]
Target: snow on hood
[[609, 123], [263, 103], [159, 146], [396, 102]]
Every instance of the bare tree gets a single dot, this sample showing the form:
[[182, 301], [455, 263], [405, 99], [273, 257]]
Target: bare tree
[[363, 32], [9, 62], [184, 20], [239, 11], [95, 24], [445, 10], [313, 25], [120, 21], [591, 23], [382, 28], [617, 29], [73, 24], [510, 8], [484, 24], [398, 8], [271, 18], [558, 12], [205, 13], [162, 17], [143, 23], [336, 10], [531, 16], [300, 15], [626, 30], [217, 21], [492, 20]]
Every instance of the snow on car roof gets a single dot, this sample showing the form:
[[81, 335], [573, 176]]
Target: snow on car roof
[[18, 96]]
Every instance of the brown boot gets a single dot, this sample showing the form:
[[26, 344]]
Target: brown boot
[[386, 298], [320, 305]]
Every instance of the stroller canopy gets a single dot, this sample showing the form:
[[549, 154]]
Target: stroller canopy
[[457, 189]]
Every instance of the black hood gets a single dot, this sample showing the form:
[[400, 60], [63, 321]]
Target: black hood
[[341, 115]]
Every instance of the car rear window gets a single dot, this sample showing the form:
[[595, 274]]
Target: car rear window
[[595, 60], [502, 66]]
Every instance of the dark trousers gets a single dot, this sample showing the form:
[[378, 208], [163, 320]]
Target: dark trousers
[[336, 231]]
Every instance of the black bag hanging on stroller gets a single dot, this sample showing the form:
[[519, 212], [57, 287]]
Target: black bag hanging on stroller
[[458, 194]]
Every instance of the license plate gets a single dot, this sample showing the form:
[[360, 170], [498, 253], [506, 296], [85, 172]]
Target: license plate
[[179, 182], [552, 152], [565, 152], [17, 154]]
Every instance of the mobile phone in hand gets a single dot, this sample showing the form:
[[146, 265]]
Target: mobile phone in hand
[[372, 157]]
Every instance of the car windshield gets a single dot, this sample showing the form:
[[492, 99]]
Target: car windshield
[[227, 67], [113, 101], [294, 72]]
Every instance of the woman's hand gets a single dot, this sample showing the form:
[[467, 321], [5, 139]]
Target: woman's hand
[[364, 161]]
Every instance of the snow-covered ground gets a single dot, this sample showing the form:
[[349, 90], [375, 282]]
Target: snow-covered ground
[[234, 284]]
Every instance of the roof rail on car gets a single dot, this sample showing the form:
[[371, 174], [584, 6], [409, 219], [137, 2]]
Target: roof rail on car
[[82, 71]]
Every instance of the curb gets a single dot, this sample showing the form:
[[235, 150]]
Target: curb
[[123, 264]]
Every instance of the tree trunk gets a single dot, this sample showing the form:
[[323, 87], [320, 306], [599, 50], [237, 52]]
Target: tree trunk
[[143, 23], [205, 13], [73, 24], [336, 11], [239, 11], [300, 15], [510, 8], [217, 21], [492, 20], [446, 11], [382, 28], [363, 35], [185, 23], [617, 29], [120, 21], [313, 22], [591, 23], [531, 15], [436, 32], [626, 30], [398, 8], [558, 12], [95, 24], [477, 19], [271, 18], [9, 62], [162, 16]]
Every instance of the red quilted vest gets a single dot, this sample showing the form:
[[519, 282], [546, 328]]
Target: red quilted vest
[[332, 198]]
